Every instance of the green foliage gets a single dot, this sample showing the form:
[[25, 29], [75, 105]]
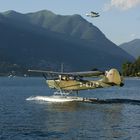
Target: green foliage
[[131, 69]]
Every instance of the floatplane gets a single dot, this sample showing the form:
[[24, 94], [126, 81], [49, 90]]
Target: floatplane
[[66, 83], [93, 14]]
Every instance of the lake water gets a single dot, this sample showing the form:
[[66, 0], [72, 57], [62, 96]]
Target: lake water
[[38, 120]]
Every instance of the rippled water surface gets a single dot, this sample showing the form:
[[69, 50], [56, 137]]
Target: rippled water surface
[[39, 120]]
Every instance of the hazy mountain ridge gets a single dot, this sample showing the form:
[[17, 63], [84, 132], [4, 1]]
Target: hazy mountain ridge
[[25, 41], [132, 47], [71, 25]]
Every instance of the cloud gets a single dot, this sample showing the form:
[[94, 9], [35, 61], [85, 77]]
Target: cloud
[[133, 35], [121, 4]]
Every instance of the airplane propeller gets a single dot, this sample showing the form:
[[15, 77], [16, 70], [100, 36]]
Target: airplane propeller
[[44, 76]]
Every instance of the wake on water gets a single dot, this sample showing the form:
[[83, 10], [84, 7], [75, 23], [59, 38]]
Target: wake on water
[[36, 98], [55, 98]]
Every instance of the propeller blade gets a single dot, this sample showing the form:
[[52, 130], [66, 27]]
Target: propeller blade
[[44, 76]]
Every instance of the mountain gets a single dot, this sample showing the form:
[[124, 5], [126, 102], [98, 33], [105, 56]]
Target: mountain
[[73, 25], [132, 47], [45, 40]]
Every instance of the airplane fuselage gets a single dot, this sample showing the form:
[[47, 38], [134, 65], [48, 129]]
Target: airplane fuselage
[[75, 85]]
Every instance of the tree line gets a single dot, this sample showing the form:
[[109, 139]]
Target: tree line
[[131, 69]]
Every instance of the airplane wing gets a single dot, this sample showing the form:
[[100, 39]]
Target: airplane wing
[[86, 73], [77, 74], [93, 12]]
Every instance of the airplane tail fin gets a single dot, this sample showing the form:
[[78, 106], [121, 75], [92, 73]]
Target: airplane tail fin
[[113, 76]]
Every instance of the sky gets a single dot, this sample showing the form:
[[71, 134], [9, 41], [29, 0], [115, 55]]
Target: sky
[[119, 19]]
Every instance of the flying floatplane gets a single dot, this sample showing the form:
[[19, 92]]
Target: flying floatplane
[[66, 83], [93, 14]]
